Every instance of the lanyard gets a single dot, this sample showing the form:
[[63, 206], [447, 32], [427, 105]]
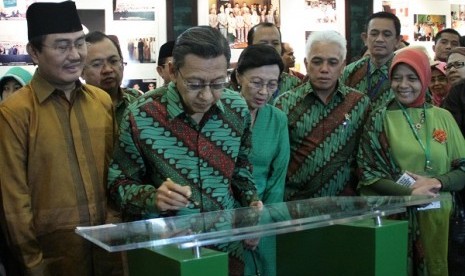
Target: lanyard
[[371, 93], [426, 148]]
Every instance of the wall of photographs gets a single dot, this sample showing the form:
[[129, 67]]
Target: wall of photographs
[[421, 20], [140, 26]]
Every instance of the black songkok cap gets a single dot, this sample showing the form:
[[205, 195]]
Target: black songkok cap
[[52, 18], [166, 50]]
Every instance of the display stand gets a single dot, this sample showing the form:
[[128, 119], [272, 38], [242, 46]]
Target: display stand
[[359, 241], [355, 248], [173, 261]]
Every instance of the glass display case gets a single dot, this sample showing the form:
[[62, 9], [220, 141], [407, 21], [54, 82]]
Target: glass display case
[[195, 230]]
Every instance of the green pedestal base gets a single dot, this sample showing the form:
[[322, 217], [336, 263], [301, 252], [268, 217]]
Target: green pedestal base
[[358, 248], [172, 261]]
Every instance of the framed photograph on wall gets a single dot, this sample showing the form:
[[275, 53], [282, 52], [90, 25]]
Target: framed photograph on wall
[[142, 85], [457, 13], [138, 10], [13, 52], [321, 12], [13, 9], [234, 19], [426, 26], [142, 49]]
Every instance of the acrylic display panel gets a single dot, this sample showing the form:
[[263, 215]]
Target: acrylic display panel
[[245, 223]]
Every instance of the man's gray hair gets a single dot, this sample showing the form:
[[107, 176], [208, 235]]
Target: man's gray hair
[[327, 37], [202, 41]]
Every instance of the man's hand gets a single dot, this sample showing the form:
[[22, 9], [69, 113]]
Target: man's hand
[[172, 196], [252, 244], [258, 204]]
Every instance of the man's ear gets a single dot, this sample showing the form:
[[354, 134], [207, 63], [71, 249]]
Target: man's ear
[[238, 78], [399, 39], [159, 70], [364, 38], [33, 53], [172, 71]]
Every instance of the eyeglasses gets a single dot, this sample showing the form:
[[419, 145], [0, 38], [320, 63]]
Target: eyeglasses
[[198, 85], [113, 62], [258, 84], [64, 47], [456, 65]]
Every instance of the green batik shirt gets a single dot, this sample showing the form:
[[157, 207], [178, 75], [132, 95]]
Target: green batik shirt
[[323, 139], [128, 96], [375, 82], [287, 82], [158, 140]]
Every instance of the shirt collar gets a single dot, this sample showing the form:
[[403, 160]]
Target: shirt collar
[[126, 96], [307, 89], [43, 89], [384, 69]]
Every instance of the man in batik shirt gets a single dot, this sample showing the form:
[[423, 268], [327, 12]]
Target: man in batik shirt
[[104, 68], [268, 33], [185, 148], [325, 119], [370, 74]]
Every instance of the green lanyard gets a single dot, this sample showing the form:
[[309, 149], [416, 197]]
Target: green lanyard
[[427, 148]]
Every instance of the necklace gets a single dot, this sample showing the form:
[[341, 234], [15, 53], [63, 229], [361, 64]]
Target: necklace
[[421, 122]]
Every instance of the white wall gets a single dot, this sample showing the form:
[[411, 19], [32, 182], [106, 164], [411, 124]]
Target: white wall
[[123, 29], [294, 22], [434, 7]]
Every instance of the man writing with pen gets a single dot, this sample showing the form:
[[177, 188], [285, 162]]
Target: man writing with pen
[[185, 148]]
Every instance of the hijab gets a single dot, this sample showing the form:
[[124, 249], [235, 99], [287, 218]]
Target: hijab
[[419, 62], [441, 67]]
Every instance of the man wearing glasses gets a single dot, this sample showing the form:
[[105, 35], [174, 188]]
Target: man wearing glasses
[[56, 140], [104, 68], [325, 120], [455, 68], [185, 148], [455, 72]]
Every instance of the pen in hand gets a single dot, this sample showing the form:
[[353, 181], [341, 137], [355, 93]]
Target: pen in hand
[[184, 191]]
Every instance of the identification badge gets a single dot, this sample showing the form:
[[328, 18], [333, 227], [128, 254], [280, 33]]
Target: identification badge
[[406, 180]]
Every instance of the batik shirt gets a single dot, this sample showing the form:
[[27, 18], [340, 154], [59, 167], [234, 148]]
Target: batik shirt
[[287, 82], [364, 76], [323, 139], [128, 96], [159, 140]]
